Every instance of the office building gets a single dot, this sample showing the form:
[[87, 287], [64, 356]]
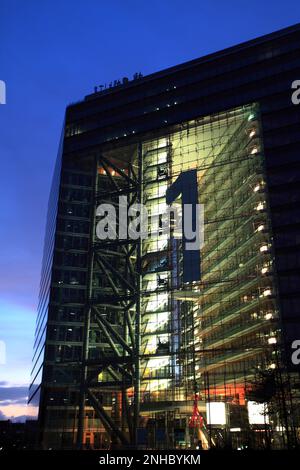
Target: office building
[[140, 341]]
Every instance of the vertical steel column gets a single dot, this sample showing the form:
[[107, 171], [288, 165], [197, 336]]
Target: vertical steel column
[[137, 377], [87, 316]]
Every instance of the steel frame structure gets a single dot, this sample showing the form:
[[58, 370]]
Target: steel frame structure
[[121, 300]]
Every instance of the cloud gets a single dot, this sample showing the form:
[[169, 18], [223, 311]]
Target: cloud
[[18, 412], [13, 402], [13, 395], [22, 418]]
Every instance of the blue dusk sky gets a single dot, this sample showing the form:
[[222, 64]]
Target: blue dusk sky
[[53, 53]]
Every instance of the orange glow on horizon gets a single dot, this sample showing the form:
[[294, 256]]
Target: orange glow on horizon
[[13, 411]]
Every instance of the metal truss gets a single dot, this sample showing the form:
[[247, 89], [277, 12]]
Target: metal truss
[[113, 309]]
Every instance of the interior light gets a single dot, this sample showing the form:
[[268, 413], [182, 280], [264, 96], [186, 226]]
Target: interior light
[[272, 340], [252, 133], [257, 413], [260, 228], [264, 270], [267, 292], [260, 206], [268, 316], [257, 188], [216, 413], [254, 150], [263, 248]]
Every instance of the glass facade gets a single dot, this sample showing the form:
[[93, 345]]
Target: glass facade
[[209, 337], [45, 283], [127, 351]]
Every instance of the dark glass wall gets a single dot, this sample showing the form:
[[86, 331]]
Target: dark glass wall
[[45, 283], [260, 71]]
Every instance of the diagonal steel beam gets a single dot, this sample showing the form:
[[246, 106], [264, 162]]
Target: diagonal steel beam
[[106, 419], [117, 274], [113, 332], [110, 279], [118, 170], [108, 337], [111, 179]]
